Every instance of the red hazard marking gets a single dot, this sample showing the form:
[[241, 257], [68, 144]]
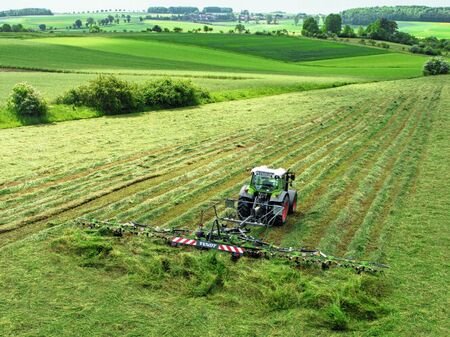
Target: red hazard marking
[[184, 241], [231, 249]]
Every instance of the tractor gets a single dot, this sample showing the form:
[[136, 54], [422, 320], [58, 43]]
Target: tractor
[[267, 199]]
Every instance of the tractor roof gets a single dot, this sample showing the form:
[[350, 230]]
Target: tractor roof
[[275, 172]]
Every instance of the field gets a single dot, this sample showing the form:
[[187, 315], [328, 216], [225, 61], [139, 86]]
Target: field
[[366, 133], [440, 30], [62, 21], [356, 162], [231, 67]]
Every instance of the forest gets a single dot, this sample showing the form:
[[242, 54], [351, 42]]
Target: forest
[[365, 16]]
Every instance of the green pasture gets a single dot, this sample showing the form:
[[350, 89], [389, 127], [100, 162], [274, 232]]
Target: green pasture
[[292, 49], [440, 30], [139, 54]]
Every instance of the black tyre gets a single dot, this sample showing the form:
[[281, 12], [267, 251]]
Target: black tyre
[[244, 208], [293, 204], [281, 218]]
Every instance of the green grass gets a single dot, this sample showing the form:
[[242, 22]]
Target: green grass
[[282, 48], [370, 173], [103, 53], [440, 30], [223, 87]]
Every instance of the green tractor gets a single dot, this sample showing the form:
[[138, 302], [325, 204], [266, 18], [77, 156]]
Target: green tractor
[[267, 199]]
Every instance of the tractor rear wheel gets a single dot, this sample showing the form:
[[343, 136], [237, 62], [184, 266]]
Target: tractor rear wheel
[[244, 208], [281, 218], [293, 205]]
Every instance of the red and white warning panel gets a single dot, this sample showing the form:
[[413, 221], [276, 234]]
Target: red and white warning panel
[[208, 245]]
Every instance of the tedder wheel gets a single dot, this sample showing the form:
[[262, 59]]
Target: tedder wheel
[[293, 205], [244, 208], [281, 218]]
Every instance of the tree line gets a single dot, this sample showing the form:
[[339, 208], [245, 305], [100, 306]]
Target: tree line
[[365, 16], [26, 11], [173, 10], [381, 29]]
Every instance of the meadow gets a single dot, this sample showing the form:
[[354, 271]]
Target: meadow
[[230, 67], [363, 166], [441, 30]]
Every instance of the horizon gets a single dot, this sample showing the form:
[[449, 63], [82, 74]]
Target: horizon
[[308, 6]]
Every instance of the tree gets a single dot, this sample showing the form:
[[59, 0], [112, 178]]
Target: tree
[[90, 21], [297, 19], [382, 29], [78, 24], [367, 15], [141, 19], [6, 28], [42, 27], [110, 19], [157, 29], [347, 32], [333, 24], [178, 30], [240, 28], [361, 31], [269, 18], [17, 28], [128, 18], [310, 27], [205, 28]]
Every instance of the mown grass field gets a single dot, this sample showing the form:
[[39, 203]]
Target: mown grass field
[[371, 172]]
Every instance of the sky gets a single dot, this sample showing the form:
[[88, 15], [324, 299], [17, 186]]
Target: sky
[[291, 6]]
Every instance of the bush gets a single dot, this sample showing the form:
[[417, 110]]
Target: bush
[[436, 66], [107, 94], [415, 49], [26, 101], [170, 93]]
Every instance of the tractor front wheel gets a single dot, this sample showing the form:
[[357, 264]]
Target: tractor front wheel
[[281, 218]]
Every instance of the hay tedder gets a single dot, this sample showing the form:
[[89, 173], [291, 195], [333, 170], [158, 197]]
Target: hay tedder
[[265, 202]]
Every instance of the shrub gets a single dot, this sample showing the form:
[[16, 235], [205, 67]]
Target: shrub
[[170, 93], [436, 66], [26, 101], [108, 94], [415, 49]]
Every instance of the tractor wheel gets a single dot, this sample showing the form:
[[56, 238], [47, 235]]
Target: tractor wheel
[[281, 218], [293, 205], [244, 208]]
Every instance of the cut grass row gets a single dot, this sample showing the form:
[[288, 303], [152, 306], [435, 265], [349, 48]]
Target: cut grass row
[[147, 195], [73, 186]]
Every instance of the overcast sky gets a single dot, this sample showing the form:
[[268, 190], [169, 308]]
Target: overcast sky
[[307, 6]]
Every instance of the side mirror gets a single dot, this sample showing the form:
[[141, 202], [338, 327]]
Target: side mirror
[[292, 176]]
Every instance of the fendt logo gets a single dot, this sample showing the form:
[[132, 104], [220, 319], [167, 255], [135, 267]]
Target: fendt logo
[[208, 245]]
